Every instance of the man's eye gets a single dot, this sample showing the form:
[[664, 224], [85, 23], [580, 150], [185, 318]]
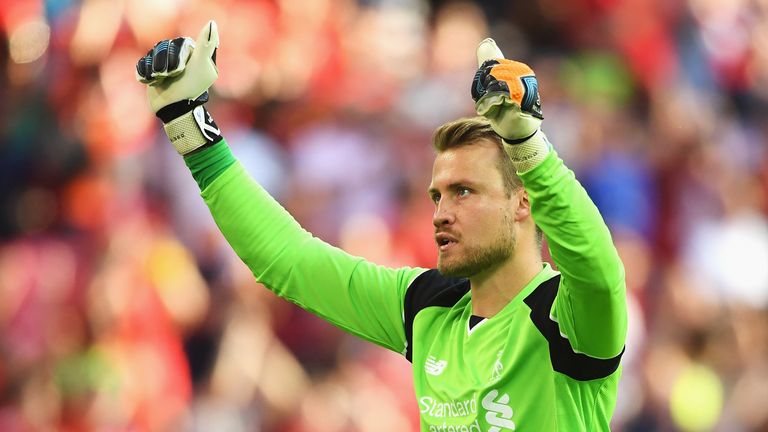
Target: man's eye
[[462, 192], [436, 198]]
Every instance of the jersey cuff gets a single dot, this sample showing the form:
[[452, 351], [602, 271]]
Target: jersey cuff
[[529, 154], [208, 163]]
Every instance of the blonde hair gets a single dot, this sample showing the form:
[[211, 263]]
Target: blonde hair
[[468, 131]]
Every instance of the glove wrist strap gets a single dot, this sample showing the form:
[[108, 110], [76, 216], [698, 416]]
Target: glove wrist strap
[[192, 130], [170, 112], [520, 140], [529, 153]]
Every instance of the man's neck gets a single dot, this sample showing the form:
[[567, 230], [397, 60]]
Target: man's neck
[[495, 288]]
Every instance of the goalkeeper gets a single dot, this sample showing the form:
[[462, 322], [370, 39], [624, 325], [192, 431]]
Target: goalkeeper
[[498, 340]]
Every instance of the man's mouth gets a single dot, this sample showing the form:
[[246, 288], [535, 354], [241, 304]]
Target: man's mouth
[[444, 241]]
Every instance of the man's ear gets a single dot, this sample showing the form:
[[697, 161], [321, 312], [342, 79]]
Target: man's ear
[[523, 205]]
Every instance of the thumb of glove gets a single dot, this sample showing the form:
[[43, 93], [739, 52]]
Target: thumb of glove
[[202, 62], [207, 41], [488, 50]]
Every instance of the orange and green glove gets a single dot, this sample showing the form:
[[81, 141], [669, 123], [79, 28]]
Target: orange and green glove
[[506, 92]]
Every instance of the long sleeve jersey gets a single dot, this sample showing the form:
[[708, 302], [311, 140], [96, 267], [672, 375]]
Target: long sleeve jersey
[[548, 361]]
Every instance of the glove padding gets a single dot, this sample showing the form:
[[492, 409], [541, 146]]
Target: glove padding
[[168, 58], [180, 69], [506, 92]]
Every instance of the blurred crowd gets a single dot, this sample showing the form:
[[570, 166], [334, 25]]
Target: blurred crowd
[[123, 309]]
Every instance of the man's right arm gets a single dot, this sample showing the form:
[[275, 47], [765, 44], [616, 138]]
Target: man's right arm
[[354, 294], [358, 296]]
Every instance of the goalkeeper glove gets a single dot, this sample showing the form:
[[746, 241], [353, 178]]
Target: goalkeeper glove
[[178, 73], [506, 92]]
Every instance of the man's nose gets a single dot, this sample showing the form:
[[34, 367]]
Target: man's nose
[[443, 216]]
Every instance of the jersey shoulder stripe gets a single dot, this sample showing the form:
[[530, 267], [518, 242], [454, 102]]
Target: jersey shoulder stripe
[[430, 288], [565, 360]]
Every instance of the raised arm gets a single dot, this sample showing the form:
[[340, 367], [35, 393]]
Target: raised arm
[[590, 306], [356, 295], [591, 303]]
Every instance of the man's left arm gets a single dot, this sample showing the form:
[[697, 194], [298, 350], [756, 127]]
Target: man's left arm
[[591, 303], [590, 307]]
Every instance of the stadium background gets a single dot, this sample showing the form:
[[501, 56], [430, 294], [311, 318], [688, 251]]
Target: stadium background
[[122, 308]]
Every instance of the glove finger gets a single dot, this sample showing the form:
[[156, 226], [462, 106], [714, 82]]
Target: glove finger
[[479, 83], [488, 50], [160, 57], [174, 51], [492, 85], [207, 41], [144, 68]]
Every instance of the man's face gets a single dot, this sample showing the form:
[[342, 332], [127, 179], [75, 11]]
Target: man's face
[[474, 223]]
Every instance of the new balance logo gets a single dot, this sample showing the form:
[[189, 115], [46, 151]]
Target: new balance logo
[[434, 367], [499, 413]]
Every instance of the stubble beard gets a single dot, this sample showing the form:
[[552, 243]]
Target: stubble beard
[[477, 259]]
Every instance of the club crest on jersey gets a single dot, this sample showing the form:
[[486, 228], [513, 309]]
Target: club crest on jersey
[[434, 366], [498, 368]]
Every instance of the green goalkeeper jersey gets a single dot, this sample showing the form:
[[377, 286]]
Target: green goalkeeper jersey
[[548, 361]]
